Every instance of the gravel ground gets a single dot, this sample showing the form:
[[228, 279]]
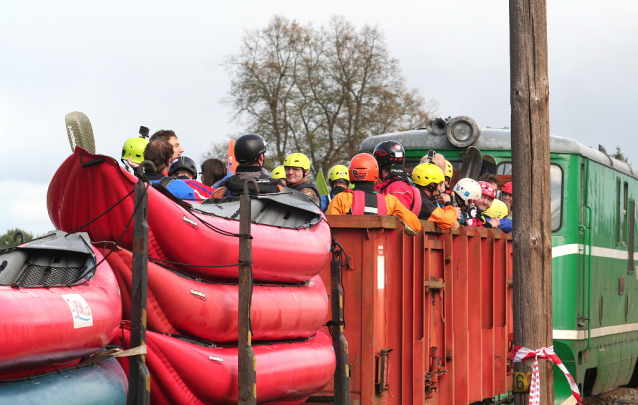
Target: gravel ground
[[621, 396]]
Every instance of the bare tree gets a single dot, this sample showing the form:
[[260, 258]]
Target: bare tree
[[320, 91]]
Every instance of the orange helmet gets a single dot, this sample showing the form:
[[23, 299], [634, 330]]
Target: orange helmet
[[364, 167]]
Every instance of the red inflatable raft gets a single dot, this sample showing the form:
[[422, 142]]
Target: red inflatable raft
[[188, 373], [291, 239], [56, 305], [179, 304]]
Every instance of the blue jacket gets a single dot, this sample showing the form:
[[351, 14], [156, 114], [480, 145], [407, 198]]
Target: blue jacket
[[177, 187], [505, 225]]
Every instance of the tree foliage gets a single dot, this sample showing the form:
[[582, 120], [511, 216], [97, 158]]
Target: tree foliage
[[319, 91], [6, 240], [619, 155]]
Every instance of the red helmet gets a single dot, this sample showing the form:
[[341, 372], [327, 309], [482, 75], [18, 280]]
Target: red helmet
[[363, 167], [487, 189], [507, 188]]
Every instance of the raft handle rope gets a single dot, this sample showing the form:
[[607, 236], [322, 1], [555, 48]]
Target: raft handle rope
[[520, 353], [84, 281], [86, 362], [339, 255]]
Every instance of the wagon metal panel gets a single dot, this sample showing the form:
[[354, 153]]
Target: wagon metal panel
[[440, 301]]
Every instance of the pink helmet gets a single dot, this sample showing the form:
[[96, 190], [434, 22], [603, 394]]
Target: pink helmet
[[507, 188], [487, 189]]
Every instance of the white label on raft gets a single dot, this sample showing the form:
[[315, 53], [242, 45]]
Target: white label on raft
[[82, 316], [380, 269], [189, 221], [216, 359]]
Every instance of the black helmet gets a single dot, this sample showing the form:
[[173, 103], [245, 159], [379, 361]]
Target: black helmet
[[248, 148], [183, 163], [389, 153]]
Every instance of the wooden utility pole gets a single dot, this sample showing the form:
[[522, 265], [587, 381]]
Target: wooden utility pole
[[529, 97], [247, 362], [139, 392]]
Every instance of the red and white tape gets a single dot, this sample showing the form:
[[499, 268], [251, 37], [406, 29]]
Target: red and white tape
[[522, 353]]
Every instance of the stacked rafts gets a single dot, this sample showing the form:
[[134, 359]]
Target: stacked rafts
[[192, 308], [60, 304]]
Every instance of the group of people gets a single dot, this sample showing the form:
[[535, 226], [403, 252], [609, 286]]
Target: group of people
[[373, 184]]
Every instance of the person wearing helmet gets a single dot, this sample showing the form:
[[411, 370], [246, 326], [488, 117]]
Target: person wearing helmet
[[297, 166], [184, 168], [488, 193], [390, 157], [279, 172], [339, 180], [364, 200], [169, 136], [249, 152], [430, 181], [160, 153], [436, 158], [506, 196], [465, 192], [449, 173], [133, 152], [498, 210]]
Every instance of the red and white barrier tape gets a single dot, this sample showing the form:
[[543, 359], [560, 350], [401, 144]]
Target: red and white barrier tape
[[522, 353]]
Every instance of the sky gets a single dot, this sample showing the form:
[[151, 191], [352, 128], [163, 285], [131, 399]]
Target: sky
[[158, 64]]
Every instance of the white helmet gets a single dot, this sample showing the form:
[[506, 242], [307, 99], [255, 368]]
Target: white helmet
[[468, 189]]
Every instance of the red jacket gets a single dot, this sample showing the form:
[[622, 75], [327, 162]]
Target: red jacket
[[409, 195]]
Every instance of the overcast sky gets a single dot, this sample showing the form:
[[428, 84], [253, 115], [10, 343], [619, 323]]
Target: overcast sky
[[157, 63]]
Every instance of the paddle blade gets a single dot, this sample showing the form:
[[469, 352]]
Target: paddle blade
[[322, 185], [471, 167], [232, 163], [80, 131]]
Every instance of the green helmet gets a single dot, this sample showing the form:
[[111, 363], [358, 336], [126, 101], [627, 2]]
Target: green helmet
[[134, 148], [278, 173], [297, 160], [427, 173]]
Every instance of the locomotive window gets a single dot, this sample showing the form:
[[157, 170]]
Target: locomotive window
[[624, 213], [618, 211], [556, 195], [556, 191]]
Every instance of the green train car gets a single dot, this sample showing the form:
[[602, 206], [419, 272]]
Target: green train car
[[595, 280]]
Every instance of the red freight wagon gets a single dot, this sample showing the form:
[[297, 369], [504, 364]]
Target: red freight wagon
[[427, 317]]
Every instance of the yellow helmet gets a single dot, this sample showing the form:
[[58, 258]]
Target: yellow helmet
[[338, 172], [427, 173], [134, 148], [297, 160], [278, 173], [498, 209], [449, 170]]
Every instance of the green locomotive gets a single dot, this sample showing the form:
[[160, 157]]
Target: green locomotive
[[595, 280]]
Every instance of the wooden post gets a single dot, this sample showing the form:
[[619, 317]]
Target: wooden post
[[139, 392], [247, 360], [531, 180]]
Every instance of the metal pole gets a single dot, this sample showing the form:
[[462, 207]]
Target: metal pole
[[139, 392], [342, 374], [247, 360], [529, 97]]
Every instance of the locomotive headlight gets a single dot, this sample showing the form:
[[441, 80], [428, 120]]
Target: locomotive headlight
[[462, 131]]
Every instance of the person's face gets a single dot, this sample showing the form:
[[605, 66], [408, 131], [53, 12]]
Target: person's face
[[294, 175], [440, 188], [507, 198], [484, 202], [177, 149], [340, 183]]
